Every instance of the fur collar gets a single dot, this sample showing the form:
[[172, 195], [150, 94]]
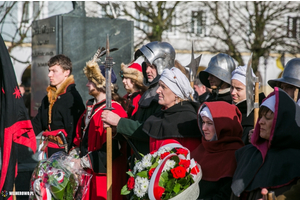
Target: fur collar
[[53, 93]]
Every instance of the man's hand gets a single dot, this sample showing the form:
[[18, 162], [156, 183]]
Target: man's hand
[[110, 118], [264, 192], [266, 195]]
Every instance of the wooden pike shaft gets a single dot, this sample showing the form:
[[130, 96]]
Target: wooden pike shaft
[[109, 162], [14, 190], [256, 100], [192, 84]]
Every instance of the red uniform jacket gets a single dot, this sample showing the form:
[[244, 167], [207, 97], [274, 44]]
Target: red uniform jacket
[[94, 143]]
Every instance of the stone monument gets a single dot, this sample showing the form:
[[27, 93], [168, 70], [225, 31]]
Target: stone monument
[[78, 37]]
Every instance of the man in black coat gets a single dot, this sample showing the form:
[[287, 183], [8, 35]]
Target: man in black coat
[[60, 109]]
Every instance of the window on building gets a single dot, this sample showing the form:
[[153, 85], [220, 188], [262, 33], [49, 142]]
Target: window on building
[[293, 27], [198, 22]]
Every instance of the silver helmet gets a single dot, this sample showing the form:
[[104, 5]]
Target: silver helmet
[[221, 66], [160, 54], [290, 75]]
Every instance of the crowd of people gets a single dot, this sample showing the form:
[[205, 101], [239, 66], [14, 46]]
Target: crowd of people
[[210, 120]]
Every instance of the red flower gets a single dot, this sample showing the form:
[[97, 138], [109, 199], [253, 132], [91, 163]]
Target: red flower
[[151, 172], [159, 192], [152, 152], [130, 183], [162, 156], [185, 163], [182, 151], [178, 172]]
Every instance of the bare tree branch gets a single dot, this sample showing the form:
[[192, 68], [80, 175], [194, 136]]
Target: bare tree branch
[[256, 26], [157, 16]]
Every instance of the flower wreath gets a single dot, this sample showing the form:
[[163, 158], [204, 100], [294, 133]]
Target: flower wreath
[[168, 173]]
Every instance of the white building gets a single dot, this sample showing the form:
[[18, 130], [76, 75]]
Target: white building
[[197, 28]]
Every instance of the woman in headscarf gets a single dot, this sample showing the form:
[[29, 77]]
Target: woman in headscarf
[[132, 78], [272, 161], [220, 125], [178, 117]]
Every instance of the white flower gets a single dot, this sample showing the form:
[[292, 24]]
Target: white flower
[[154, 155], [169, 165], [144, 186], [137, 180], [146, 163], [161, 151], [140, 186], [138, 192], [138, 167], [147, 157]]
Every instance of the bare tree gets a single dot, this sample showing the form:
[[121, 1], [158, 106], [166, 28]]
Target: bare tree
[[254, 26], [152, 18], [17, 29]]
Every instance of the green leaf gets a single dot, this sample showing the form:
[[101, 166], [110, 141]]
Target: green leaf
[[130, 173], [177, 188], [125, 190], [170, 185], [183, 181], [186, 186], [165, 176], [175, 158], [154, 165], [143, 174], [168, 196], [163, 179]]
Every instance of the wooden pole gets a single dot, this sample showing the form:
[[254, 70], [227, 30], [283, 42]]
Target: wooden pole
[[256, 101], [192, 84], [109, 162], [14, 190]]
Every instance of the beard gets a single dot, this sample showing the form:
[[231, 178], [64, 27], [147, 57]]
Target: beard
[[94, 93]]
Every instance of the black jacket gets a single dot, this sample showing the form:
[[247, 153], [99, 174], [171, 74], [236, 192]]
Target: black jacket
[[66, 111], [178, 121], [209, 97], [248, 122]]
